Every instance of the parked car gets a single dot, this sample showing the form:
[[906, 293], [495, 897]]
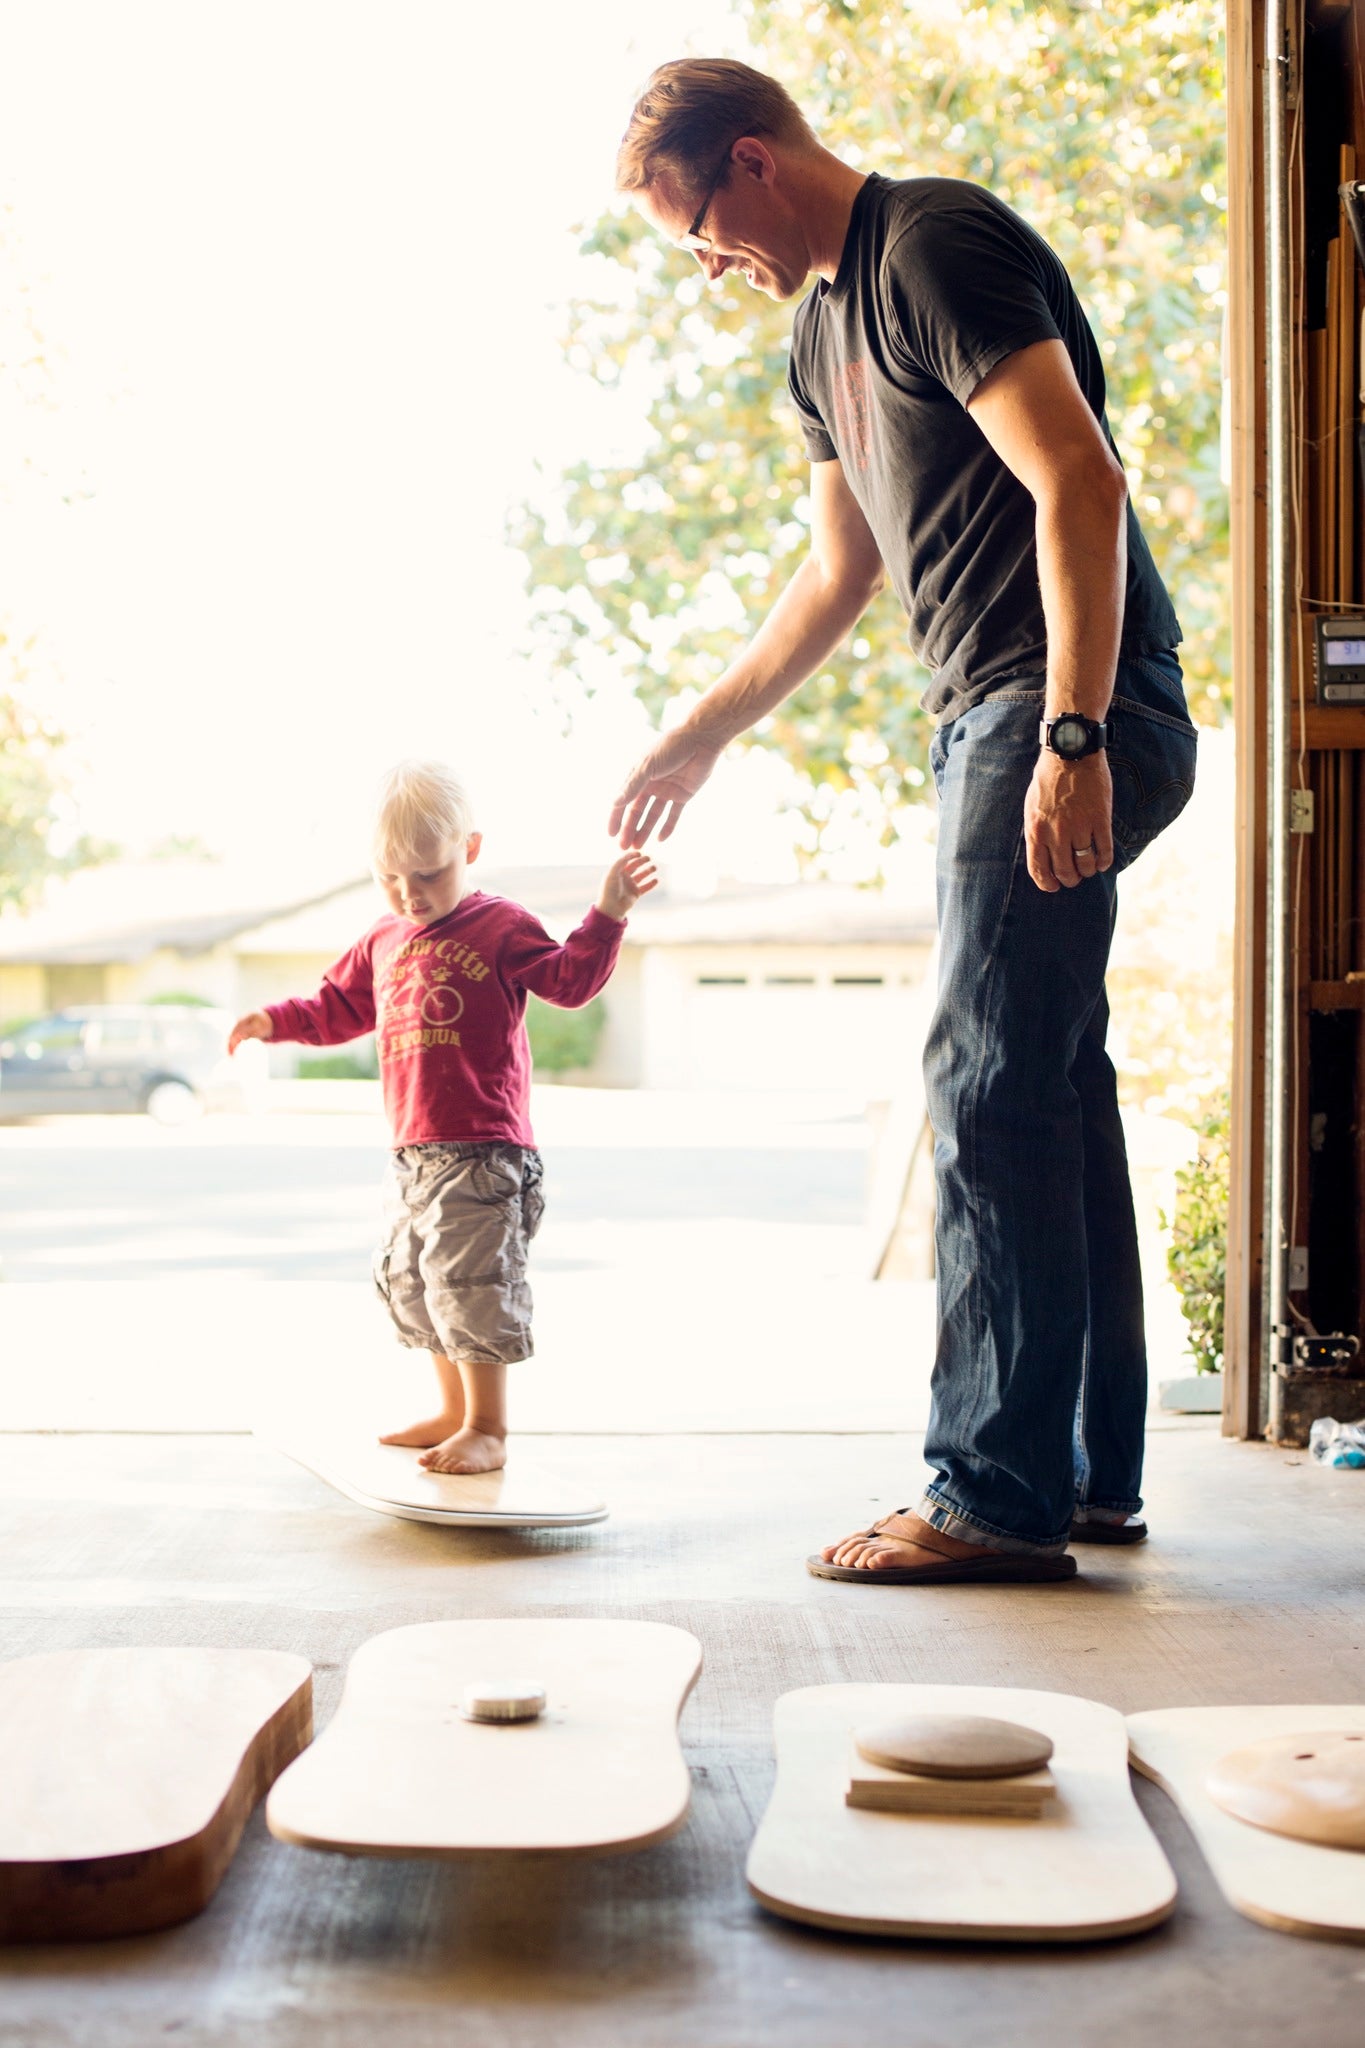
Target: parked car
[[166, 1059]]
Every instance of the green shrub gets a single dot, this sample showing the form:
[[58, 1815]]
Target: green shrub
[[563, 1040], [356, 1062], [1197, 1257], [184, 1002]]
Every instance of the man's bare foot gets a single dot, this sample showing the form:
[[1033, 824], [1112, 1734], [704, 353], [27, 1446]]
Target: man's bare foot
[[892, 1542], [469, 1450], [423, 1436]]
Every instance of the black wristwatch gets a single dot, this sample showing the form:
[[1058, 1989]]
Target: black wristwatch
[[1072, 737]]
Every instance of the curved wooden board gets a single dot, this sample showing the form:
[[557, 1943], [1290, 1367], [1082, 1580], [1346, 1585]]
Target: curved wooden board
[[399, 1772], [1088, 1867], [1299, 1887], [389, 1481], [128, 1777]]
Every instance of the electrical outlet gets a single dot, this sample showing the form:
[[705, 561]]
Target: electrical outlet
[[1300, 810], [1298, 1268]]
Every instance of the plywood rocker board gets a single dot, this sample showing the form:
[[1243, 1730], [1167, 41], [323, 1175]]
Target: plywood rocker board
[[401, 1771], [127, 1779], [1300, 1886], [388, 1480], [1076, 1862]]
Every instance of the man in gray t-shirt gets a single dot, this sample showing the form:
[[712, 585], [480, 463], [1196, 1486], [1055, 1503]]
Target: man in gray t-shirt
[[952, 399], [938, 283]]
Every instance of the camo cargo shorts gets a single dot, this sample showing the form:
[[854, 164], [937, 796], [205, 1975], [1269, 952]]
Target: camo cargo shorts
[[452, 1268]]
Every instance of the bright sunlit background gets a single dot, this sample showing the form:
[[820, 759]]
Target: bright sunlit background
[[282, 307], [296, 278]]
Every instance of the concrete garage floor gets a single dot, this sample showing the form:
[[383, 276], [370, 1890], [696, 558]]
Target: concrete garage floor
[[1254, 1589]]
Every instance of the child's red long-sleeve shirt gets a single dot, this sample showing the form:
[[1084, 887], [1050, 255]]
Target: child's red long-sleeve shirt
[[447, 1002]]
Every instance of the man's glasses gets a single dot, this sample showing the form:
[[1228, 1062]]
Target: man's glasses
[[694, 240]]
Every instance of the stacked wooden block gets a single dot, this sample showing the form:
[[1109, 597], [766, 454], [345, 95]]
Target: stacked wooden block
[[951, 1763]]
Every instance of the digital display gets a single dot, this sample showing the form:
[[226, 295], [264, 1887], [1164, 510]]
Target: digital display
[[1343, 653]]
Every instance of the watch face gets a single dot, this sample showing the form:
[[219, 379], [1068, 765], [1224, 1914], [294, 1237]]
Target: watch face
[[1069, 736]]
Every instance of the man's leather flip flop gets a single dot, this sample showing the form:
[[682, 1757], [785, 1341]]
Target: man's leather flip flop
[[993, 1567]]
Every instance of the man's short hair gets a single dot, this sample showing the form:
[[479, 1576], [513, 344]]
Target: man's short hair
[[420, 805], [693, 110]]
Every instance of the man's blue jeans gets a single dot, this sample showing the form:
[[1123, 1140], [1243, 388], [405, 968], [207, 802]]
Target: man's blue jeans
[[1040, 1378]]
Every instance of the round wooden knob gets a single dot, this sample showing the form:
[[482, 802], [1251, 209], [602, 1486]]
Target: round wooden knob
[[1309, 1786], [503, 1701], [953, 1746]]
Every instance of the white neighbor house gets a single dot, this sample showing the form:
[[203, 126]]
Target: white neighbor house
[[773, 985]]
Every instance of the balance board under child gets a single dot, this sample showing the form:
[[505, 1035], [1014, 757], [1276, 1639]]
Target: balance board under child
[[400, 1771], [388, 1480], [1299, 1886], [128, 1777], [1081, 1865]]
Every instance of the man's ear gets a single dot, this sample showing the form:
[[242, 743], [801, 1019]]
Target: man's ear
[[753, 159], [472, 845]]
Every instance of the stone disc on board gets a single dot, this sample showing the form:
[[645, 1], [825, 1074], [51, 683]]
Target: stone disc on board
[[953, 1746]]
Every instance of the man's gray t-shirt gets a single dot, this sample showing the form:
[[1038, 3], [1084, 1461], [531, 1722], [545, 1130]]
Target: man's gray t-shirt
[[938, 282]]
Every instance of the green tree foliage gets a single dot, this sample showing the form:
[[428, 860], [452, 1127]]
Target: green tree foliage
[[1197, 1255], [30, 785], [30, 794], [1103, 127]]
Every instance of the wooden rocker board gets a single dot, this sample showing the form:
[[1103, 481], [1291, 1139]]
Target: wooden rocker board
[[1086, 1868], [1299, 1887], [388, 1479], [128, 1777], [399, 1771]]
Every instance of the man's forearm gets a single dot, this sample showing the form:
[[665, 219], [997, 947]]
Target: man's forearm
[[808, 621], [1082, 542]]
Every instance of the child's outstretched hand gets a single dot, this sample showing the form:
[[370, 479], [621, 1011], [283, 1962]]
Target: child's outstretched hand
[[627, 880], [255, 1024]]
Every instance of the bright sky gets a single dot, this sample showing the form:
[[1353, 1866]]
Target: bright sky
[[298, 268]]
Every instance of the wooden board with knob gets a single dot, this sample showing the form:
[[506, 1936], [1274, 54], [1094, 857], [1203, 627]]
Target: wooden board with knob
[[387, 1479], [400, 1771], [1300, 1887]]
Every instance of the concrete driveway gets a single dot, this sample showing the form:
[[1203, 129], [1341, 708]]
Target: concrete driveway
[[703, 1266]]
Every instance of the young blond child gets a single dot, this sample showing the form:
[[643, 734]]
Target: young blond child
[[443, 981]]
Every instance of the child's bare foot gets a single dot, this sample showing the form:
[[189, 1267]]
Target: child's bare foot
[[469, 1450], [424, 1436]]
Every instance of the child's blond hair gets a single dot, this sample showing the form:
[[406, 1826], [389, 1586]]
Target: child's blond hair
[[420, 804]]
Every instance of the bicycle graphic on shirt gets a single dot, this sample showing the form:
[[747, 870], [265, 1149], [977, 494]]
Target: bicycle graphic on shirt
[[419, 1005]]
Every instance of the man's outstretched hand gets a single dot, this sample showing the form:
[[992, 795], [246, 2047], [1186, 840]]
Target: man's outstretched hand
[[1068, 821], [656, 790]]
